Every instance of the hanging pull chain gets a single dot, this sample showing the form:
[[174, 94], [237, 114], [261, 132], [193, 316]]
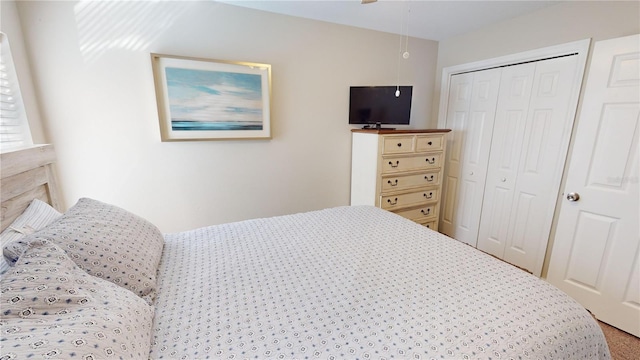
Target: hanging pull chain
[[405, 54]]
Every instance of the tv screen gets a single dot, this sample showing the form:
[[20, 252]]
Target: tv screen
[[379, 105]]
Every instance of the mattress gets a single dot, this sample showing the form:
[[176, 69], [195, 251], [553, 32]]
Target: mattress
[[355, 282]]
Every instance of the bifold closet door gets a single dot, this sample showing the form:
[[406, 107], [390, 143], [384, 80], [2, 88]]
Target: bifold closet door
[[528, 151], [470, 115], [508, 135]]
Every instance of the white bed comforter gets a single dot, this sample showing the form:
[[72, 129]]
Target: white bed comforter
[[355, 282]]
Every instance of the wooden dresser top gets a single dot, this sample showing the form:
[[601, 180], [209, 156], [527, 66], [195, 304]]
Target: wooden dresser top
[[404, 131]]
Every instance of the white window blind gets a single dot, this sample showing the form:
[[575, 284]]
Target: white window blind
[[14, 128]]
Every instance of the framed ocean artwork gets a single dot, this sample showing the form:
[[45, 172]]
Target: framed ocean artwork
[[202, 99]]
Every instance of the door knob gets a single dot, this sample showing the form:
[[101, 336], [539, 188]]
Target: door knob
[[573, 196]]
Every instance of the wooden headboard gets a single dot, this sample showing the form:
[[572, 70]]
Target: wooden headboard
[[27, 174]]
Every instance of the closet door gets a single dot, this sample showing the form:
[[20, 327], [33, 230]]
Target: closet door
[[529, 148], [470, 116], [547, 135], [506, 147]]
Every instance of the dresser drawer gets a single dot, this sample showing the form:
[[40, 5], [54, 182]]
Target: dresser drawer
[[397, 144], [420, 214], [399, 201], [429, 143], [409, 163], [402, 182], [433, 224]]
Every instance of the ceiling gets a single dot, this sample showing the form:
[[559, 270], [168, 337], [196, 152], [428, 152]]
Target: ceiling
[[426, 19]]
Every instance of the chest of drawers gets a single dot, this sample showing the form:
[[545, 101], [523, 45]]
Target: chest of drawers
[[399, 171]]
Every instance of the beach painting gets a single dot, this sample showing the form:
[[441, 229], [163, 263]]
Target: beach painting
[[201, 99]]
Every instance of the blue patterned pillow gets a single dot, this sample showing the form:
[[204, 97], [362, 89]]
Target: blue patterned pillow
[[53, 309], [107, 242]]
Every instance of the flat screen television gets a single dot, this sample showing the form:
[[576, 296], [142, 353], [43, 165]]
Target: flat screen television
[[373, 106]]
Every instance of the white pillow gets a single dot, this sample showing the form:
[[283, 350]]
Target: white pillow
[[35, 217]]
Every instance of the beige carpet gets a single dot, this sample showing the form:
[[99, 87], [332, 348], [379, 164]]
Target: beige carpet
[[623, 346]]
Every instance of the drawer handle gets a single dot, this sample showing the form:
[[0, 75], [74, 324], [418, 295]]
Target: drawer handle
[[396, 165], [394, 183], [429, 143], [428, 226], [395, 201], [432, 161], [399, 144], [430, 196], [429, 178], [426, 212]]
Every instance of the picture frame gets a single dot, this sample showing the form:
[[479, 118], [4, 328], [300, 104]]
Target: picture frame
[[206, 99]]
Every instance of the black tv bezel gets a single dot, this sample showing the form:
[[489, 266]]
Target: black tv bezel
[[391, 89]]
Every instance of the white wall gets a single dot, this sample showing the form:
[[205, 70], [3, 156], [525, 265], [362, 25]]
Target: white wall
[[557, 24], [90, 61]]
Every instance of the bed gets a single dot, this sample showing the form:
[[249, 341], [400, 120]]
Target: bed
[[352, 282]]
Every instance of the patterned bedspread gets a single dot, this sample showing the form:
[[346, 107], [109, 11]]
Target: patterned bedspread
[[355, 282]]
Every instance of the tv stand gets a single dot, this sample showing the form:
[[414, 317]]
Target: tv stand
[[377, 127]]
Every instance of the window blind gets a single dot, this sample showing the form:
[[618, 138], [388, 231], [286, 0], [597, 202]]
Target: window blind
[[14, 127]]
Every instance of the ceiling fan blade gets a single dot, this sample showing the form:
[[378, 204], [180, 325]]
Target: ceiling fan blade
[[367, 1]]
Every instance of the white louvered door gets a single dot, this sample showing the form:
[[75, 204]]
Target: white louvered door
[[471, 113], [596, 252], [528, 151]]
